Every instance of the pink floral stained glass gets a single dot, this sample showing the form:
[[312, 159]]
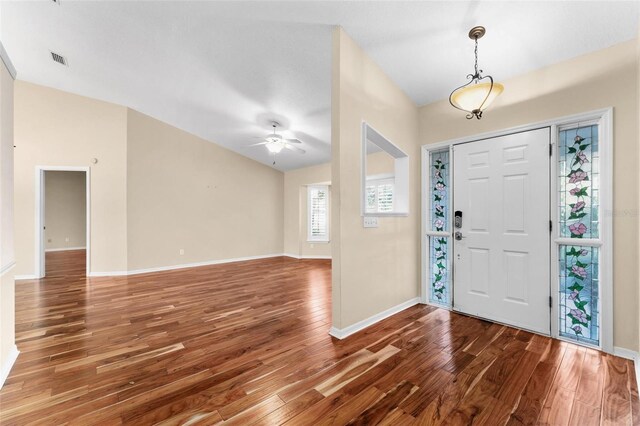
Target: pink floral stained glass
[[439, 250], [579, 206]]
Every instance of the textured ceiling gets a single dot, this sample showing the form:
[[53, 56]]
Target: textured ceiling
[[224, 70]]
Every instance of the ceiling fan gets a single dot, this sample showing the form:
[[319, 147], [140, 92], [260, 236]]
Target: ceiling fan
[[276, 143]]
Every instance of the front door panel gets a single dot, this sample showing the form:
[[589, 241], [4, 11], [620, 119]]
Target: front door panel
[[501, 262]]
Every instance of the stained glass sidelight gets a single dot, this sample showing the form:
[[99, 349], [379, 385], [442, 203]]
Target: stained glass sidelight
[[579, 185], [439, 191], [439, 277], [579, 182], [579, 293], [439, 246]]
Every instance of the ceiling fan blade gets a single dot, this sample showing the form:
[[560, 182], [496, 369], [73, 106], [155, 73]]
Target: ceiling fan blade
[[294, 148], [293, 140], [259, 143]]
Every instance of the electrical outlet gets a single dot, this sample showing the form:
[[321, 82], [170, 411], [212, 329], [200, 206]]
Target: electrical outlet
[[370, 222], [181, 252], [66, 239], [311, 245]]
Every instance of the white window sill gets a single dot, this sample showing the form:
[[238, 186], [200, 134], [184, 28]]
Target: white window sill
[[319, 241]]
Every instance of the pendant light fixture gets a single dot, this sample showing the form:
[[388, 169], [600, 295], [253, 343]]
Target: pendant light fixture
[[475, 96]]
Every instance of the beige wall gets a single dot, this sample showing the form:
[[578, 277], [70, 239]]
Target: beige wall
[[186, 193], [7, 297], [169, 189], [7, 255], [6, 168], [598, 80], [65, 210], [380, 163], [374, 269], [55, 128], [295, 211], [638, 208]]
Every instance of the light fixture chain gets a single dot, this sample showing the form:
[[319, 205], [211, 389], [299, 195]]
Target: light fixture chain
[[476, 54]]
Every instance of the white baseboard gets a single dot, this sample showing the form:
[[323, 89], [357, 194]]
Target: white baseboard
[[625, 353], [629, 354], [5, 369], [25, 277], [360, 325], [172, 267], [182, 266], [108, 274], [65, 249], [307, 256]]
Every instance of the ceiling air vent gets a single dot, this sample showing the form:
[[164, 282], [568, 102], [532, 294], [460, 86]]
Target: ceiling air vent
[[58, 58]]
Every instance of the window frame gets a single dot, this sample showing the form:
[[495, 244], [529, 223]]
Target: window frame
[[310, 237]]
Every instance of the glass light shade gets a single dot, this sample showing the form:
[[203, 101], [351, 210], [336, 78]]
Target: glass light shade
[[274, 147], [470, 98]]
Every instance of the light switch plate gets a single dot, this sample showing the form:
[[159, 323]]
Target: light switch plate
[[370, 222]]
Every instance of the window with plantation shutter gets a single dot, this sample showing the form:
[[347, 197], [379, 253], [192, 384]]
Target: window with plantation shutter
[[385, 198], [379, 196], [318, 213]]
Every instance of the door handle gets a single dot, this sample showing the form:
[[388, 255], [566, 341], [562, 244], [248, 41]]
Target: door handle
[[458, 235]]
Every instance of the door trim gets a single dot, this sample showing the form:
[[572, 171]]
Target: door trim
[[40, 210], [604, 117]]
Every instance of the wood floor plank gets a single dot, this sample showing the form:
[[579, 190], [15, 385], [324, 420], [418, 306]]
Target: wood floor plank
[[557, 407], [569, 372], [591, 382], [352, 408], [326, 409], [397, 417], [512, 388], [633, 391], [534, 395], [584, 414], [247, 343], [291, 409], [256, 412], [378, 411], [616, 403]]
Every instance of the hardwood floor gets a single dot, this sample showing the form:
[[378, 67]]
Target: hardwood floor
[[246, 343]]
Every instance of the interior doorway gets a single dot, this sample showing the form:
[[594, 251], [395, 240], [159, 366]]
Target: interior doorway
[[63, 220]]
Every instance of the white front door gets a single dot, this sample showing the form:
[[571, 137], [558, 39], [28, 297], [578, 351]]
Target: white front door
[[501, 261]]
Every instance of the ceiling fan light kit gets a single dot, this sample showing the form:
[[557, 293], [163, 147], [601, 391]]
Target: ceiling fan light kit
[[476, 96], [275, 143], [274, 146]]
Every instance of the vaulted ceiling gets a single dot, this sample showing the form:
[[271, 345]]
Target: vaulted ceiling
[[225, 70]]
